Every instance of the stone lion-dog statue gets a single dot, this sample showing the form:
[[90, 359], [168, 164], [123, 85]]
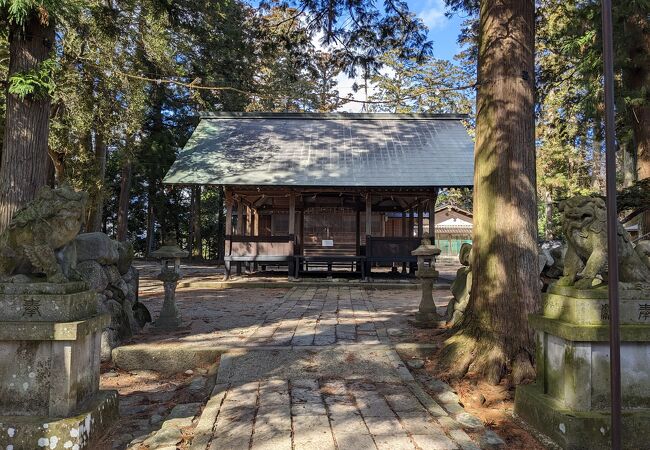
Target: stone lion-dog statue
[[37, 231], [585, 229]]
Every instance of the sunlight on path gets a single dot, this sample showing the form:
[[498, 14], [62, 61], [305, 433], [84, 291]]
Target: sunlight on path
[[316, 368]]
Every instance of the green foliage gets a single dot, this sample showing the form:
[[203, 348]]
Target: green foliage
[[634, 197], [461, 198], [37, 83], [108, 114], [430, 85], [362, 30], [18, 11], [570, 154]]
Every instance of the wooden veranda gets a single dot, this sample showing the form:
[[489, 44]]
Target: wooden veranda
[[323, 227]]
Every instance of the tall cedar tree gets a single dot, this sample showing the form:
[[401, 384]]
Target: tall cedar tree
[[636, 74], [24, 167], [494, 335]]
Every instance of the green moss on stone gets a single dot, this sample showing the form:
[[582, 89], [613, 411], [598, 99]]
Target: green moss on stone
[[587, 333], [577, 430]]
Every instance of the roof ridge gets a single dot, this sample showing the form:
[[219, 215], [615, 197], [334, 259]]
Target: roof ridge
[[331, 116]]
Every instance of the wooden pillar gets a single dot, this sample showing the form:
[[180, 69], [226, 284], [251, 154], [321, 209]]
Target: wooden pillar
[[368, 214], [249, 221], [240, 218], [410, 225], [228, 202], [404, 224], [368, 264], [432, 215], [292, 213], [227, 245], [302, 229], [256, 222], [358, 231], [420, 220]]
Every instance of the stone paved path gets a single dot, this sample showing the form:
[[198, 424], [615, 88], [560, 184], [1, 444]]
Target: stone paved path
[[319, 372]]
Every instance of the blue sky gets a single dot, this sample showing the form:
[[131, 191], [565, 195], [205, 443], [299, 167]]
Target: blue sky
[[443, 31]]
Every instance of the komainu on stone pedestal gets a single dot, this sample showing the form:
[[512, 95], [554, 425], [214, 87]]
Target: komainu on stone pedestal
[[585, 229], [570, 400], [50, 332], [38, 231]]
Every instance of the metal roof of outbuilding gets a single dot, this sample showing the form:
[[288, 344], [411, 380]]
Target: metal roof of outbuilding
[[326, 150]]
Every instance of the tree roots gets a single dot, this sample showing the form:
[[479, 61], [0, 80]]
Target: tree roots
[[465, 353]]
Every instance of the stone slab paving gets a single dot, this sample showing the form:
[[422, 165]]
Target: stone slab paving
[[319, 372], [324, 413], [299, 316]]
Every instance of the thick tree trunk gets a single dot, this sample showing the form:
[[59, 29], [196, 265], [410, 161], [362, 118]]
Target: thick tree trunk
[[190, 234], [642, 136], [637, 77], [548, 213], [96, 209], [151, 219], [597, 151], [25, 165], [494, 334], [629, 164], [196, 224], [123, 205]]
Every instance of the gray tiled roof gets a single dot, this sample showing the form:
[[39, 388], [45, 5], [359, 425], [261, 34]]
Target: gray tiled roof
[[327, 150]]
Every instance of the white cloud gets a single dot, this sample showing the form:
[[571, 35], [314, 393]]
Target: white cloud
[[432, 13], [344, 86]]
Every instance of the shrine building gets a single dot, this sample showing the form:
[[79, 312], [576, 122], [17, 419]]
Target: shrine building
[[333, 189]]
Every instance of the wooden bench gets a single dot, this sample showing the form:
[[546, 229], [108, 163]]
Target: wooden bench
[[259, 250], [394, 250], [329, 261]]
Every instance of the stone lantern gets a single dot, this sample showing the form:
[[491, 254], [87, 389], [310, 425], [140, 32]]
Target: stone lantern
[[427, 316], [170, 272]]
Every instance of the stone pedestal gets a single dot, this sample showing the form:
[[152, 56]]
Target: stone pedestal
[[170, 316], [569, 401], [427, 315], [49, 367]]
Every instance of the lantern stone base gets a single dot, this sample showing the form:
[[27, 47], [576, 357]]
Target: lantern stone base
[[170, 316], [49, 367], [427, 315], [78, 431], [168, 322], [427, 320], [570, 400]]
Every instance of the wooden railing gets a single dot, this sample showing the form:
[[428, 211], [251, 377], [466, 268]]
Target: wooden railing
[[391, 249], [252, 246]]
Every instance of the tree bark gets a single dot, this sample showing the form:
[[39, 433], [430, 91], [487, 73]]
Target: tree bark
[[24, 165], [190, 234], [636, 75], [151, 219], [494, 333], [123, 205], [548, 211], [629, 164], [597, 152], [96, 209], [198, 239]]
